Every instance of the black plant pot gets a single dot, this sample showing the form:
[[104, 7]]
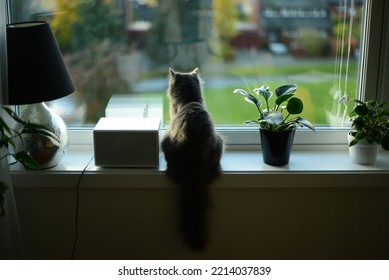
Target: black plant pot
[[276, 146]]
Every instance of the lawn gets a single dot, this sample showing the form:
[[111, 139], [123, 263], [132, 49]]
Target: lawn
[[231, 109]]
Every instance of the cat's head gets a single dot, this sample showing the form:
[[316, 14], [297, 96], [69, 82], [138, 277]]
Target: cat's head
[[185, 87]]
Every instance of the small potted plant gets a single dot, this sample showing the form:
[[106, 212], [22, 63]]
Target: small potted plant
[[277, 121], [370, 123], [7, 142]]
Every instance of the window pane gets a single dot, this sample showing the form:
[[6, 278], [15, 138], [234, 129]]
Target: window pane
[[118, 53]]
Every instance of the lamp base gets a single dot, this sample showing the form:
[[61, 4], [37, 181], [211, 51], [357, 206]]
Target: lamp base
[[41, 148]]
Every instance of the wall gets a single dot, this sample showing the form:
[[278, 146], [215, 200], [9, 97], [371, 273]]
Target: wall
[[256, 216]]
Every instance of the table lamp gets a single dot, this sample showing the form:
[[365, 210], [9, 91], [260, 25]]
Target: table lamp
[[37, 73]]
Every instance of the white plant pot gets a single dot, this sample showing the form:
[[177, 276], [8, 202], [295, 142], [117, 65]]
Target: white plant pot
[[363, 152]]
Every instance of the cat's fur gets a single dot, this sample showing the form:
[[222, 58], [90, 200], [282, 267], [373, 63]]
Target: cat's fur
[[192, 151]]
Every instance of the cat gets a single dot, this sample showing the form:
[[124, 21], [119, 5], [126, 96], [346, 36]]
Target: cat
[[193, 150]]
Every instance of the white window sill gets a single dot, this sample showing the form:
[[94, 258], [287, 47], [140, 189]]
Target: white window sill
[[313, 205], [241, 168]]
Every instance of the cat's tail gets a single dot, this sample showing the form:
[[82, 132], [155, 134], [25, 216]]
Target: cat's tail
[[195, 206]]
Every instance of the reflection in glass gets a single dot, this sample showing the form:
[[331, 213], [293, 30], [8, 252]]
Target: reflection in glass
[[117, 48]]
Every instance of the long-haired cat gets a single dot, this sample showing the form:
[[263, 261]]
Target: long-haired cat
[[192, 151]]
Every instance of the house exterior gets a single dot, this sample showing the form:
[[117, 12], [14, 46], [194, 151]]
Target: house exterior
[[281, 20]]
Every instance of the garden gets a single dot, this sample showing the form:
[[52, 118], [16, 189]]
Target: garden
[[318, 87]]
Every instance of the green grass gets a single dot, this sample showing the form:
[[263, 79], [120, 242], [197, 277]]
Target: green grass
[[231, 109], [227, 108], [295, 69]]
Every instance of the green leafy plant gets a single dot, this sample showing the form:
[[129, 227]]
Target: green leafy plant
[[370, 121], [7, 136], [279, 117]]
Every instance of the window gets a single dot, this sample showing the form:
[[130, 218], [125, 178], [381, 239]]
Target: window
[[3, 65], [118, 53]]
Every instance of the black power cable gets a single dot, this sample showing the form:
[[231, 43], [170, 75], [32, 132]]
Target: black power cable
[[78, 206]]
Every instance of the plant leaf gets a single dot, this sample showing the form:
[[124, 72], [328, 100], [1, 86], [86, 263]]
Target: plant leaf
[[264, 91], [26, 160], [295, 106], [275, 118], [360, 135], [241, 91], [361, 110], [385, 113], [42, 130], [251, 99], [4, 127], [359, 122], [358, 101], [250, 122], [305, 123], [353, 142], [283, 98], [13, 115], [286, 89], [385, 142]]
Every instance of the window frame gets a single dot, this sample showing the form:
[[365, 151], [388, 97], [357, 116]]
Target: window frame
[[3, 54], [374, 56], [371, 83]]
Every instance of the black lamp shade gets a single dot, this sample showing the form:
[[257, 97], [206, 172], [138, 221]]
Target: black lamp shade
[[36, 70]]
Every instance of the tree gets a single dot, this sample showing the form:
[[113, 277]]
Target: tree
[[91, 35], [341, 28], [225, 18], [81, 24], [312, 42], [180, 33]]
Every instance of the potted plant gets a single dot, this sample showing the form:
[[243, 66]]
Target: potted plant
[[276, 120], [370, 121], [7, 137]]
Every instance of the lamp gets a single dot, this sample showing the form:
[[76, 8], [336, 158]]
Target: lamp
[[37, 73]]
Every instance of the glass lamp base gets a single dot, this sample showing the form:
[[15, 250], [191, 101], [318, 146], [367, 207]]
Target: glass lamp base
[[41, 148]]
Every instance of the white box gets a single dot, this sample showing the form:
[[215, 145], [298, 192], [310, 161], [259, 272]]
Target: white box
[[127, 142], [125, 105]]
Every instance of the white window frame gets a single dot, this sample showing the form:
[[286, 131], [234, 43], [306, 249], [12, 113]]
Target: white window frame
[[373, 84], [373, 81]]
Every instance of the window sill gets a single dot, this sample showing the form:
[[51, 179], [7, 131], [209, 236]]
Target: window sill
[[320, 206], [240, 168]]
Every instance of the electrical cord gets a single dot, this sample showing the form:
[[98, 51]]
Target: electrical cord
[[78, 206]]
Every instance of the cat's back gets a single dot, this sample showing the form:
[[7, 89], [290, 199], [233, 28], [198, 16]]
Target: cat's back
[[192, 147], [191, 129], [194, 125]]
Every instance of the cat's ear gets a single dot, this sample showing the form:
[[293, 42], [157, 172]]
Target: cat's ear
[[172, 72], [196, 71]]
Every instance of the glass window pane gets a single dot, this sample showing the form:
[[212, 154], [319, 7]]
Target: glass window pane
[[118, 53]]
